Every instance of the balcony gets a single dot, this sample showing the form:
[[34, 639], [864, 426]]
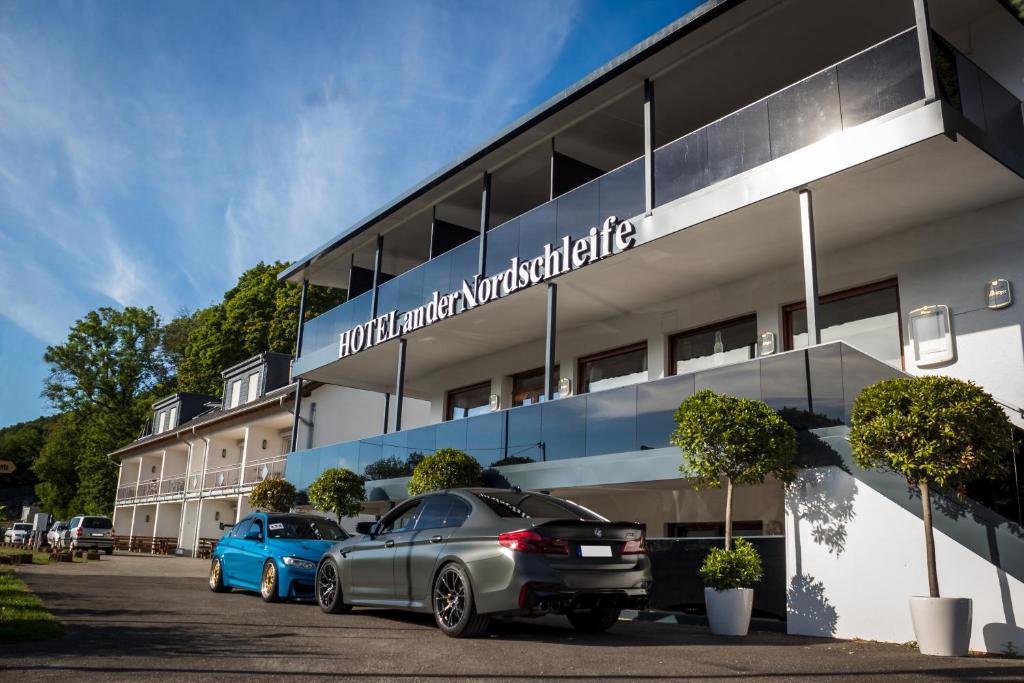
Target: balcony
[[810, 388], [228, 479], [863, 87]]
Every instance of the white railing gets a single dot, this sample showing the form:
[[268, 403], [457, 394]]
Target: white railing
[[170, 486], [267, 468], [222, 477]]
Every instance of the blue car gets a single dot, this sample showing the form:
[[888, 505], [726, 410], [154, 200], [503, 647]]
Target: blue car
[[273, 553]]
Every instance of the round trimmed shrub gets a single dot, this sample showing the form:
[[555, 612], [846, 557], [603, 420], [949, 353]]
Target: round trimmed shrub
[[448, 468]]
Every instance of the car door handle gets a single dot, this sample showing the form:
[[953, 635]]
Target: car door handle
[[389, 544], [436, 539]]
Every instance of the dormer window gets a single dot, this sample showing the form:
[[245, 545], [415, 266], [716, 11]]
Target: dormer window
[[236, 393], [163, 422], [172, 415], [254, 387]]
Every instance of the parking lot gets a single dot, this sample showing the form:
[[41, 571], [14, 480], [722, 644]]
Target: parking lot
[[149, 618]]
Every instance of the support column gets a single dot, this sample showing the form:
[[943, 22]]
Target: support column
[[485, 224], [378, 256], [549, 343], [924, 44], [400, 384], [387, 408], [298, 352], [551, 172], [810, 257], [649, 145]]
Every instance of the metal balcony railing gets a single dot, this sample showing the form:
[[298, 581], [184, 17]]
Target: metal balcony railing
[[267, 468]]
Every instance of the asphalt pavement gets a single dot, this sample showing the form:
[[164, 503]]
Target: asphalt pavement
[[147, 618]]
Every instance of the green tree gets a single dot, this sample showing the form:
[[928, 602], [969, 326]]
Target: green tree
[[21, 443], [933, 431], [56, 468], [740, 440], [448, 468], [338, 490], [258, 314], [272, 495], [386, 468]]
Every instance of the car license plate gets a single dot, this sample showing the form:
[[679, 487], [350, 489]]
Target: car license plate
[[595, 551], [99, 535]]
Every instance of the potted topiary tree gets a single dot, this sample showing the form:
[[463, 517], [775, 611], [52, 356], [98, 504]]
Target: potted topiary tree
[[740, 441], [272, 495], [933, 431], [338, 490], [448, 468]]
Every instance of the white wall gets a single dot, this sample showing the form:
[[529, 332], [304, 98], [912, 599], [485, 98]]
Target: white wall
[[168, 520], [144, 521], [853, 558], [346, 414], [209, 524]]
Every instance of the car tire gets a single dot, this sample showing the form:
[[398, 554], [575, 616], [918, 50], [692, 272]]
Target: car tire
[[217, 577], [328, 588], [595, 620], [454, 606], [269, 582]]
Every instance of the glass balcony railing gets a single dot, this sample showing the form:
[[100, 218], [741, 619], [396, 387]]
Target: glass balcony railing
[[815, 387], [863, 87]]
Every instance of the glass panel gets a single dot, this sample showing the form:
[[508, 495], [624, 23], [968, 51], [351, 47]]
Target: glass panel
[[784, 388], [528, 387], [611, 421], [622, 192], [621, 369], [859, 371], [868, 321], [730, 342], [421, 442], [738, 142], [564, 428], [680, 167], [524, 434], [485, 437], [1002, 113], [881, 80], [450, 435], [536, 228], [437, 276], [387, 295], [742, 380], [325, 328], [805, 113], [393, 445], [360, 313], [656, 405], [348, 455], [577, 211], [502, 246], [826, 368], [469, 401], [369, 452], [410, 289], [465, 264]]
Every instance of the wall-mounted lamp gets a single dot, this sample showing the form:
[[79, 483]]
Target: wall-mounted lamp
[[264, 444], [931, 335], [223, 452], [766, 345], [494, 402], [564, 387]]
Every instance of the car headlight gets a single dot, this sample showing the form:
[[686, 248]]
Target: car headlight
[[298, 562]]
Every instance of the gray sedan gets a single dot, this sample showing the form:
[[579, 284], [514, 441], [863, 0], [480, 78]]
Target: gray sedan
[[469, 555]]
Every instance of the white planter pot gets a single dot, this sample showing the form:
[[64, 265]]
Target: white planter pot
[[942, 625], [729, 610]]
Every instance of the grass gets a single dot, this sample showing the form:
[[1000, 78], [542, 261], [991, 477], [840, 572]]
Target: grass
[[22, 615], [37, 558]]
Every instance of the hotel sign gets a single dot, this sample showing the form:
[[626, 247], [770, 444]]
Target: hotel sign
[[612, 237]]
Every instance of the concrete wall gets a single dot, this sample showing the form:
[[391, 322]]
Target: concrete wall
[[854, 557], [345, 414], [168, 520], [210, 520], [144, 521], [189, 525], [123, 520]]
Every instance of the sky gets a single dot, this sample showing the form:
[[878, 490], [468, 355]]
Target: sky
[[152, 151]]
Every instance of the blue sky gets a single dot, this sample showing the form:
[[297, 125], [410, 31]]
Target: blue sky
[[150, 152]]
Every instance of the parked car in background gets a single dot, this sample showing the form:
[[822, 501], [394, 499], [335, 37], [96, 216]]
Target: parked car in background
[[19, 533], [273, 553], [88, 531], [468, 555], [57, 534]]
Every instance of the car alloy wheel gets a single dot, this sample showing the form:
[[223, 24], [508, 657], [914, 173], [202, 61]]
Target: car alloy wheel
[[328, 589], [217, 578], [454, 609], [268, 585]]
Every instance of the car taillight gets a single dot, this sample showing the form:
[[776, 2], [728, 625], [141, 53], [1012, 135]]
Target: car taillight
[[526, 541], [634, 547], [78, 532]]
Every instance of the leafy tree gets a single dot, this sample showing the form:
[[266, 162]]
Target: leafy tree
[[272, 495], [21, 443], [931, 430], [386, 468], [56, 467], [727, 569], [739, 440], [448, 468], [258, 314], [338, 490]]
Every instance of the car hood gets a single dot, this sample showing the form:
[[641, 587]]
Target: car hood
[[307, 550]]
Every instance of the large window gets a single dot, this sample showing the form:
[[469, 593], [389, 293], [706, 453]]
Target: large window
[[615, 368], [468, 401], [866, 317], [731, 341], [528, 387]]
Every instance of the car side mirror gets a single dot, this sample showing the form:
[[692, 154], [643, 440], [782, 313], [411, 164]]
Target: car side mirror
[[365, 528]]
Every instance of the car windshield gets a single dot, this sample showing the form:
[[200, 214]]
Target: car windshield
[[97, 523], [23, 527], [513, 504], [304, 528]]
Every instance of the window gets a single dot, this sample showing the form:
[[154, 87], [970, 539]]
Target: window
[[304, 528], [236, 393], [531, 505], [731, 341], [254, 387], [257, 525], [468, 401], [528, 387], [712, 529], [444, 511], [401, 519], [163, 422], [239, 529], [866, 317], [172, 415], [97, 523], [615, 368]]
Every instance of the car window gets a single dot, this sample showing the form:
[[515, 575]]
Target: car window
[[304, 528], [257, 524], [23, 527], [238, 531], [531, 505], [75, 521], [433, 513], [458, 513], [401, 519], [97, 523]]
